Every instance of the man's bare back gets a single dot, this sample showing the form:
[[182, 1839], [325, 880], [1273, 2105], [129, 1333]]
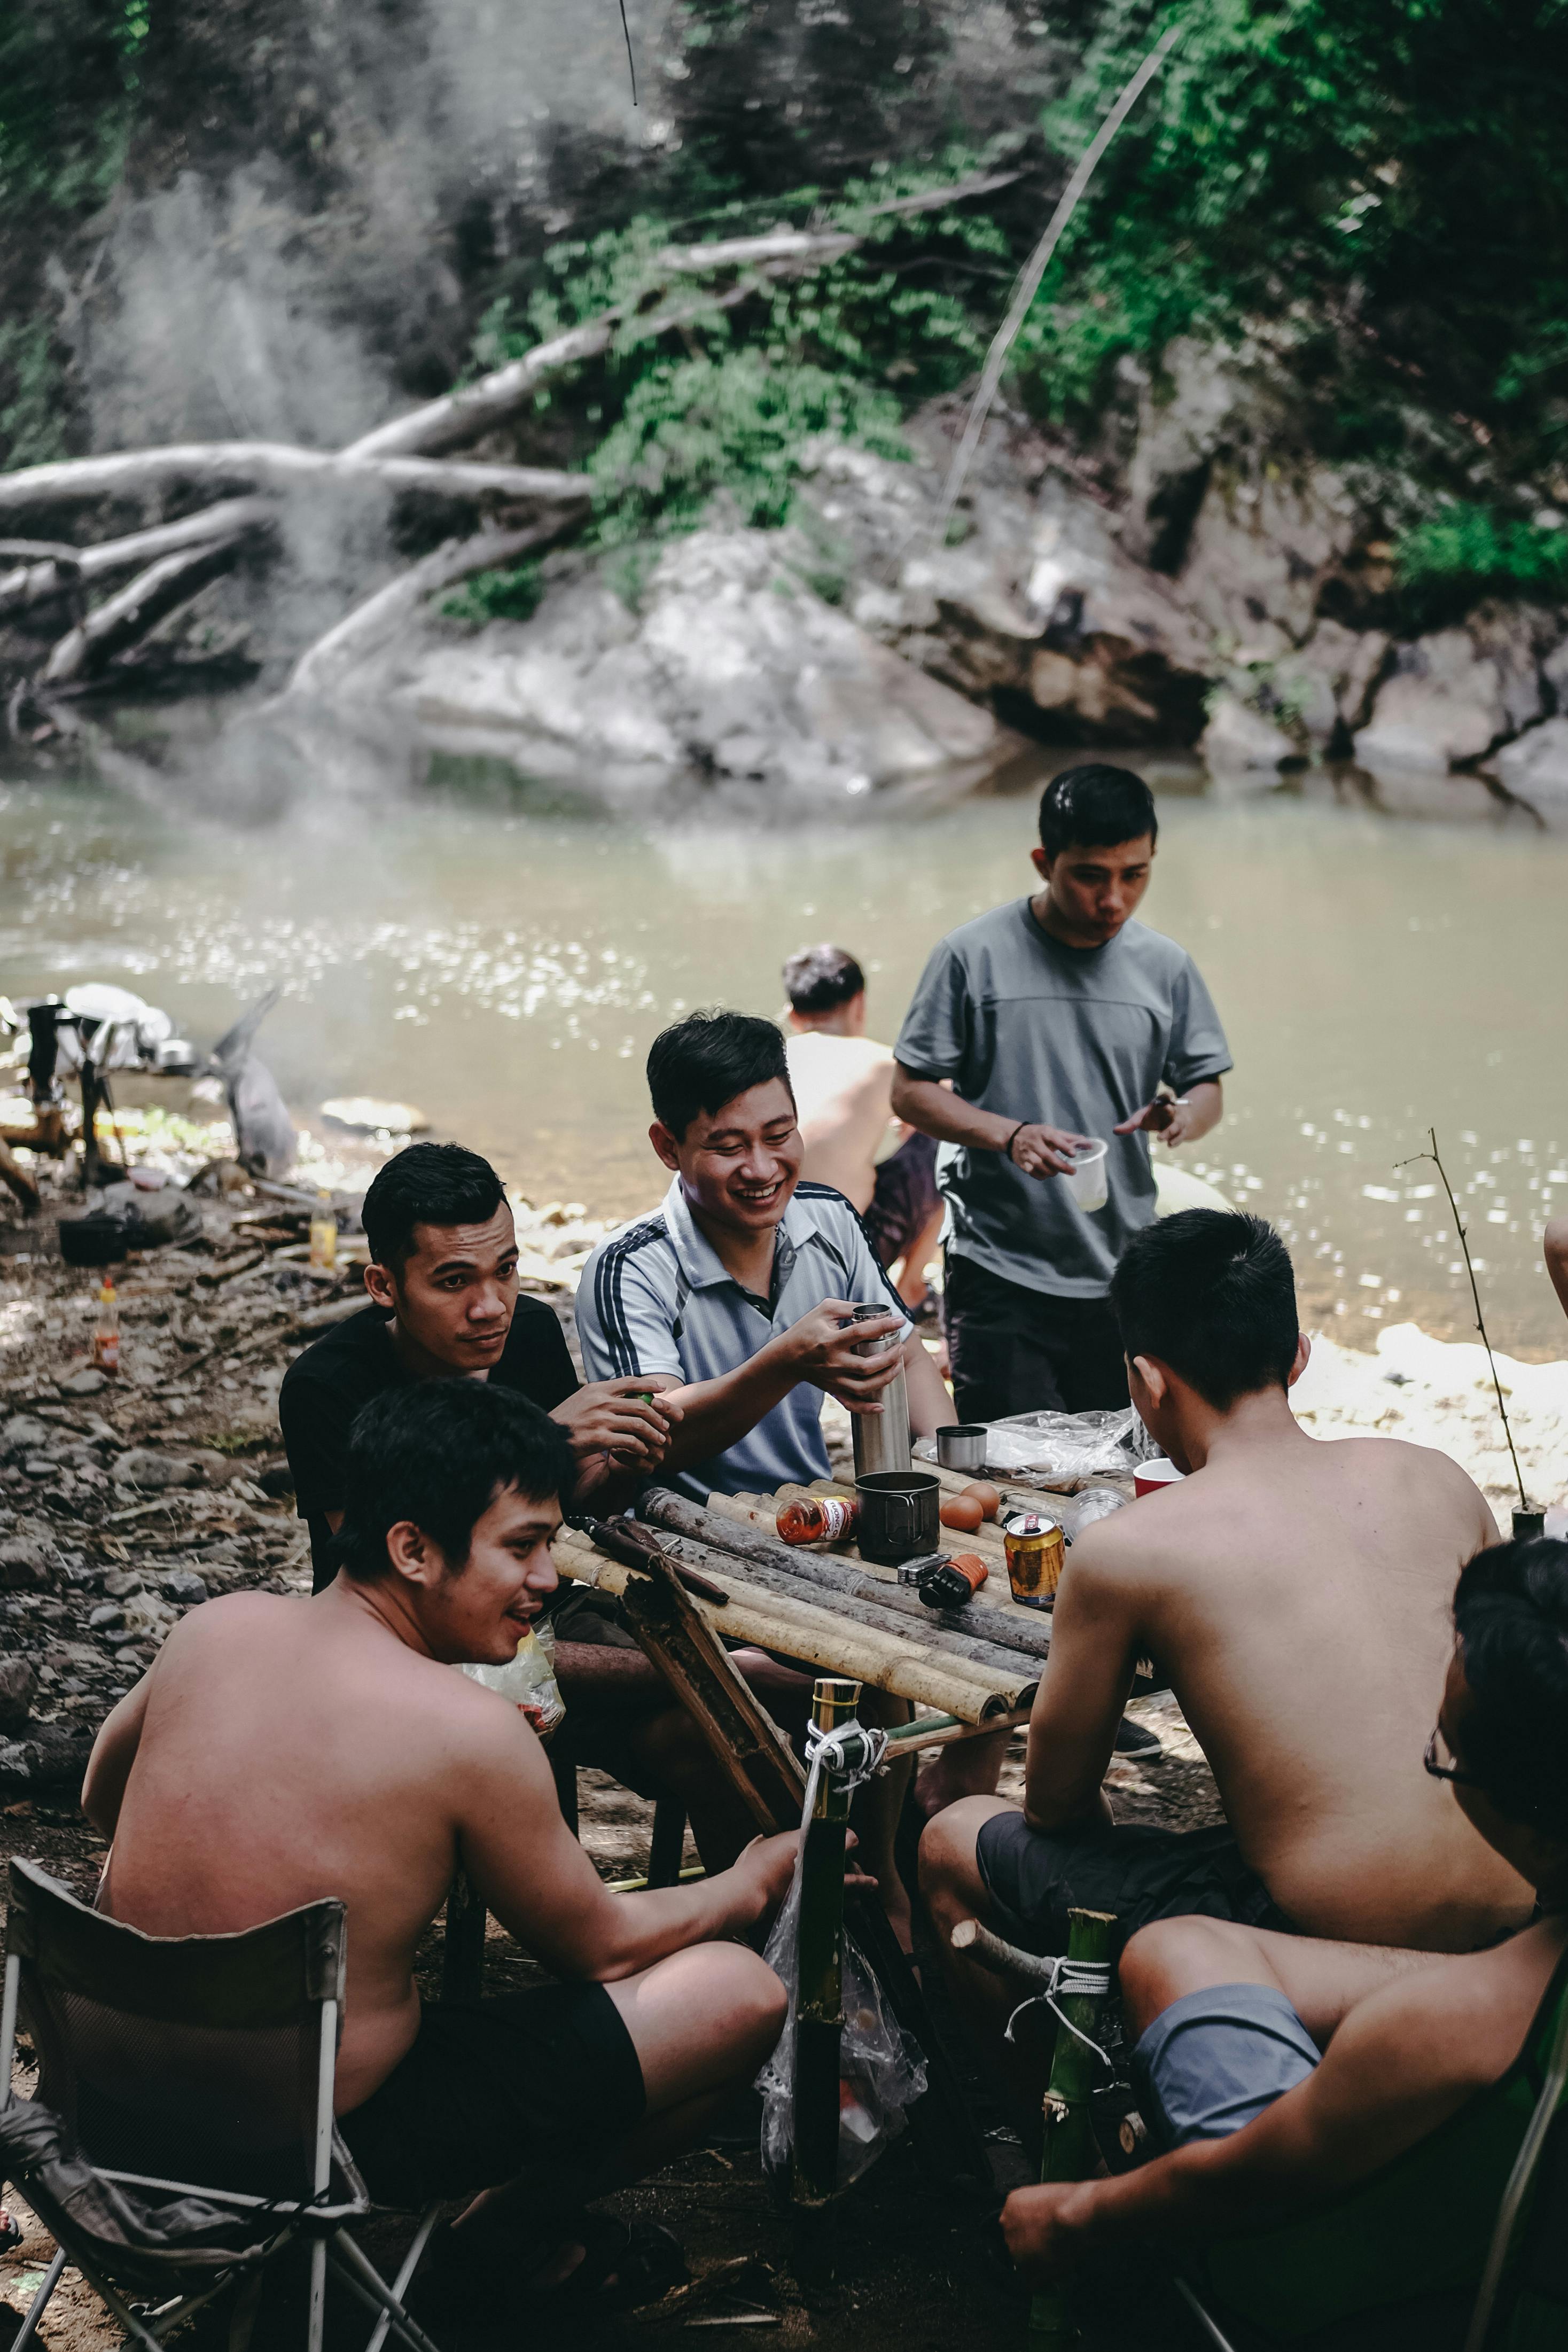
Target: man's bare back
[[283, 1750], [843, 1092], [1297, 1593]]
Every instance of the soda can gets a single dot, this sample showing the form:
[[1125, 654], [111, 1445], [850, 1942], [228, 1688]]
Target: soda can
[[1034, 1547]]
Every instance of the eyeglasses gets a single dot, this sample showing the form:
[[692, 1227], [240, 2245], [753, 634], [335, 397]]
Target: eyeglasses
[[1454, 1773]]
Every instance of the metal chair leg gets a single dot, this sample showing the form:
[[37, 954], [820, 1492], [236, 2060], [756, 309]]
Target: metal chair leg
[[404, 2279], [669, 1842], [46, 2286], [318, 2296], [357, 2270]]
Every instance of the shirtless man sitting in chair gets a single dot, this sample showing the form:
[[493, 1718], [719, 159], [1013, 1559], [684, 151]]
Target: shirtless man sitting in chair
[[282, 1749], [1337, 2121], [1295, 1594]]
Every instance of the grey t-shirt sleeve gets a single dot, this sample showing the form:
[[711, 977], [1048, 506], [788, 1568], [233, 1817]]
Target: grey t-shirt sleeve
[[935, 1040], [1198, 1046]]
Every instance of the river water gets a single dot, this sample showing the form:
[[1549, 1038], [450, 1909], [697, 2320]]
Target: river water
[[502, 960]]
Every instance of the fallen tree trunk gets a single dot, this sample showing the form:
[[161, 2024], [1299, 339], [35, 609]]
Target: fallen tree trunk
[[66, 568], [359, 633], [274, 466], [170, 582], [462, 416]]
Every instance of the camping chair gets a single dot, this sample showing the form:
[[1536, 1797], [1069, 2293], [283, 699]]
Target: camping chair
[[188, 2065]]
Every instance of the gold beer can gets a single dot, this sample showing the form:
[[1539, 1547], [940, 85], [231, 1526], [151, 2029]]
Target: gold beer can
[[1034, 1546]]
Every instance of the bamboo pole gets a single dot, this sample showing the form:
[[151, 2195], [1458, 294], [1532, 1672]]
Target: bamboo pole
[[838, 1644], [1069, 2149], [850, 1581], [819, 1964], [890, 1609]]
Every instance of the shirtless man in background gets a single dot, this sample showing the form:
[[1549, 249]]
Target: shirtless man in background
[[282, 1750], [842, 1082], [1295, 1594]]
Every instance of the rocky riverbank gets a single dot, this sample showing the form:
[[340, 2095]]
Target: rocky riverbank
[[1193, 585]]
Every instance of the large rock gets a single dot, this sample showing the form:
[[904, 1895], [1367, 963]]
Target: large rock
[[1240, 737], [1452, 697], [1325, 686], [18, 1688], [1535, 768], [1260, 550], [732, 665]]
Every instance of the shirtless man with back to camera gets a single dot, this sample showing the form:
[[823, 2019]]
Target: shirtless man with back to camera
[[1295, 1593]]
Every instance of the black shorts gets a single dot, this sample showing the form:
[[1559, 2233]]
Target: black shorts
[[1135, 1871], [544, 2081], [1019, 1350], [904, 1200]]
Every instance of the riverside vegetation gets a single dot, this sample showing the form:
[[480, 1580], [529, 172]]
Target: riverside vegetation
[[1290, 411]]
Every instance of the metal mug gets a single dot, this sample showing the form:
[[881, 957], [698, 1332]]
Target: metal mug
[[961, 1445], [881, 1439], [898, 1515]]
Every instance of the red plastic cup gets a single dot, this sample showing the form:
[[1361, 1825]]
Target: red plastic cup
[[1153, 1476]]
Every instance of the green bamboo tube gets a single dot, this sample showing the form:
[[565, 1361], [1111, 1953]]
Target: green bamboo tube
[[820, 1950], [1070, 2152]]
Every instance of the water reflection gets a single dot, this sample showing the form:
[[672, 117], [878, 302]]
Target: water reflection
[[502, 957]]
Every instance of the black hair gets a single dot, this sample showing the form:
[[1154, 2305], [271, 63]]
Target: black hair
[[820, 979], [1211, 1294], [1095, 806], [427, 1184], [1511, 1613], [704, 1061], [438, 1453]]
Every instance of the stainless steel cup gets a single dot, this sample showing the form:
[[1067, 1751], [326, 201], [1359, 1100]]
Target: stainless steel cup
[[898, 1515], [881, 1439], [961, 1445]]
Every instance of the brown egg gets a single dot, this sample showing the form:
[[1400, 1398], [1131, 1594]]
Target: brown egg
[[962, 1511], [987, 1496]]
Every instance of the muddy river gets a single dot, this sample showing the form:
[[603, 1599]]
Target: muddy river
[[502, 960]]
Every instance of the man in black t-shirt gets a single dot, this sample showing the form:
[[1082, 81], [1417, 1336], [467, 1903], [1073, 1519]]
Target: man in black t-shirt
[[444, 1305]]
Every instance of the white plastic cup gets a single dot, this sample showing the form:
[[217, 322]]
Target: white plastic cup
[[1150, 1476], [1088, 1183]]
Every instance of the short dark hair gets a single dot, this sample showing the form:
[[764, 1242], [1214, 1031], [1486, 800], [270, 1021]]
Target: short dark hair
[[704, 1061], [1210, 1292], [820, 979], [1095, 805], [1511, 1613], [427, 1184], [439, 1453]]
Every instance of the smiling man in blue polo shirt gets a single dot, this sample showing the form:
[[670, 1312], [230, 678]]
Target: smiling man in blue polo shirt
[[739, 1288], [739, 1285]]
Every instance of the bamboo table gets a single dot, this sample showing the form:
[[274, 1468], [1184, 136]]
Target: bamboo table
[[689, 1578]]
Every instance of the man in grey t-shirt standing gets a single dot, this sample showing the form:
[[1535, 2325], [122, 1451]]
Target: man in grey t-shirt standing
[[1058, 1020]]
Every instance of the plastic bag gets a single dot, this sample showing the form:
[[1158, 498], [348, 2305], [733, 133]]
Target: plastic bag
[[1062, 1445], [882, 2071], [529, 1680]]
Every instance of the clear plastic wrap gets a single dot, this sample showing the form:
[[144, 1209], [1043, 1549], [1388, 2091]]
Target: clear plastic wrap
[[529, 1681], [881, 2070], [1062, 1445]]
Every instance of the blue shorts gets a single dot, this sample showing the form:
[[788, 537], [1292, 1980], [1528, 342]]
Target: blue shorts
[[1214, 2060]]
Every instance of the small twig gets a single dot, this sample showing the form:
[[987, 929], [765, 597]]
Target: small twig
[[631, 60], [1034, 270], [1475, 1293]]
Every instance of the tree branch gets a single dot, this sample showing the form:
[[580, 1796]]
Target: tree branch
[[462, 416], [274, 466], [36, 583], [173, 579], [323, 665]]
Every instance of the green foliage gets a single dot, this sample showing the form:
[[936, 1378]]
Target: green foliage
[[1445, 563], [738, 424], [1387, 185], [844, 351], [509, 596], [32, 427]]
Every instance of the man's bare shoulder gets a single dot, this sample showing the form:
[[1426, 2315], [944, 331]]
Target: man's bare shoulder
[[1424, 1470]]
